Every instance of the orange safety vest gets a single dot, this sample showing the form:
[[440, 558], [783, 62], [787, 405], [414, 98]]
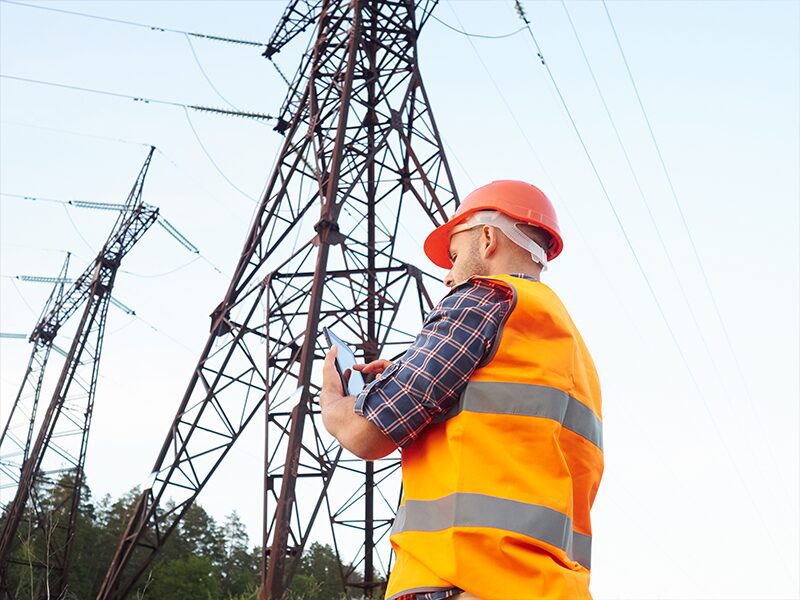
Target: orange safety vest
[[496, 496]]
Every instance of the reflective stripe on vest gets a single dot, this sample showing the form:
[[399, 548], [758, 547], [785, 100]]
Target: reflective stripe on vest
[[531, 400], [463, 509]]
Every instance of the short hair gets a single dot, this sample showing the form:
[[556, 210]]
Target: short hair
[[537, 234]]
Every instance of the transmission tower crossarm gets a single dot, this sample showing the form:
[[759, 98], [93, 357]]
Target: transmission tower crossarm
[[298, 16]]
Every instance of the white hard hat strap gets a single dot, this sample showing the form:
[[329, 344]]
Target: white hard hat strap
[[510, 227]]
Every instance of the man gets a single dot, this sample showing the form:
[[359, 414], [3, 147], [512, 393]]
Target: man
[[496, 407]]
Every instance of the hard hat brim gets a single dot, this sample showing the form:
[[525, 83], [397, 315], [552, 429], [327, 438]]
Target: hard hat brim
[[437, 245]]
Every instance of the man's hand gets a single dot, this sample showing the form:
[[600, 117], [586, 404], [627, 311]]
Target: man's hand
[[354, 432]]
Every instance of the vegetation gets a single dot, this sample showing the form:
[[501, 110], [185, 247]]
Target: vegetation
[[202, 560]]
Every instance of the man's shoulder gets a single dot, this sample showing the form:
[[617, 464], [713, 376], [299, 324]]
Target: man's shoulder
[[474, 299]]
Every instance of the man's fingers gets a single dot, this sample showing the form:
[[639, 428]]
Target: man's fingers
[[376, 366], [346, 376], [330, 377]]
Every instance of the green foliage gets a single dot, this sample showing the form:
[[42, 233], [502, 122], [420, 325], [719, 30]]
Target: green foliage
[[201, 560], [318, 575], [191, 578]]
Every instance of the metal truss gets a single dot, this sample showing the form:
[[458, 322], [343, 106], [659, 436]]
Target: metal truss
[[361, 160], [17, 435], [51, 479]]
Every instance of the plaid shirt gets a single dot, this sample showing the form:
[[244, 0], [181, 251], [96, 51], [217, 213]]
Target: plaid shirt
[[428, 379]]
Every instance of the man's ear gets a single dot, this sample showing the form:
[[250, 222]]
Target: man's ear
[[488, 245]]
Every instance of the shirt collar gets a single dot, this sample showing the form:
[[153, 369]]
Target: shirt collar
[[523, 276]]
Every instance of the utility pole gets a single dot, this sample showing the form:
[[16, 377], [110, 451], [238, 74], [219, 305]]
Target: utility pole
[[55, 461], [361, 166]]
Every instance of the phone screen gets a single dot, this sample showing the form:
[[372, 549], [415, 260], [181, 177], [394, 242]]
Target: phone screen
[[345, 359]]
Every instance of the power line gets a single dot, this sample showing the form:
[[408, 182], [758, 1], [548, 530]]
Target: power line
[[251, 115], [706, 281], [654, 223], [77, 133], [211, 83], [205, 75], [157, 28], [678, 206], [22, 297], [507, 105], [521, 12], [75, 227], [205, 36], [213, 162], [477, 35]]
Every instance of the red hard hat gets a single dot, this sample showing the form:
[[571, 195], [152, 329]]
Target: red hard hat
[[517, 199]]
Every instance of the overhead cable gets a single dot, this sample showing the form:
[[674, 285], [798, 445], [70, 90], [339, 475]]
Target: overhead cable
[[678, 204], [156, 28], [213, 162], [477, 35], [642, 195], [711, 294], [205, 75], [654, 222], [251, 115], [77, 230], [77, 133], [211, 83], [205, 36], [521, 130]]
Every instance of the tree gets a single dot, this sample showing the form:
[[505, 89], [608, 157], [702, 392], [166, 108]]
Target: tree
[[192, 578], [240, 565], [319, 575]]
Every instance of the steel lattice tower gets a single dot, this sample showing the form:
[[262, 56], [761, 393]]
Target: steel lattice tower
[[17, 436], [55, 460], [362, 158]]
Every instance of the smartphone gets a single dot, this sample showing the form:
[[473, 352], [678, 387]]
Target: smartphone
[[345, 359]]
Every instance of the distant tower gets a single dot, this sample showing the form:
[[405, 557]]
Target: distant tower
[[54, 462], [17, 435], [362, 160]]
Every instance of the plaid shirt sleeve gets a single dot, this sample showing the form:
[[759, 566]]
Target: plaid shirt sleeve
[[428, 379]]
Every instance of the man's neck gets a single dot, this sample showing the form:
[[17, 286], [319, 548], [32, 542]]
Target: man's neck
[[530, 270]]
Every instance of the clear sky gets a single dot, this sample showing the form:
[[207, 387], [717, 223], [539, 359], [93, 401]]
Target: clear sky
[[700, 495]]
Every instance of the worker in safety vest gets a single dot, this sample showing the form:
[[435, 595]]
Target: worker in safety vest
[[496, 407]]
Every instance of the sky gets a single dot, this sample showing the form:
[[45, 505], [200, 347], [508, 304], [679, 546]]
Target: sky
[[698, 359]]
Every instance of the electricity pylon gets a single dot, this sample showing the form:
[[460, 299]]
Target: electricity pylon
[[54, 463], [362, 159], [15, 441]]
